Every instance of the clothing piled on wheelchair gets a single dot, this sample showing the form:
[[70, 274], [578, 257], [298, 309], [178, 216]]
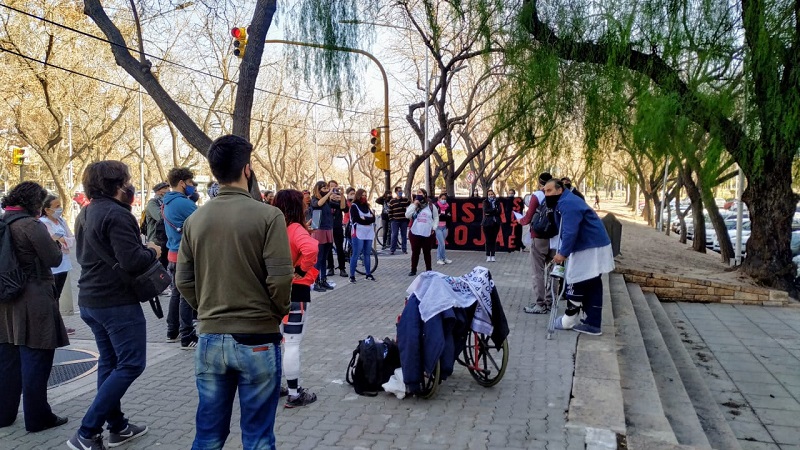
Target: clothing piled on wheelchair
[[439, 313]]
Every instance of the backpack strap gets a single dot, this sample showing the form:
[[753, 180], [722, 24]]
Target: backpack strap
[[350, 367]]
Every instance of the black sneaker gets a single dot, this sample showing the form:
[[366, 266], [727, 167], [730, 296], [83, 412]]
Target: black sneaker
[[57, 422], [284, 391], [318, 288], [79, 442], [330, 272], [189, 345], [172, 338], [353, 280], [342, 273], [127, 434], [303, 398], [370, 277], [412, 273], [325, 285]]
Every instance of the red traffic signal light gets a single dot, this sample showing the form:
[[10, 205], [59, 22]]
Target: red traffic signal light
[[375, 132], [240, 41]]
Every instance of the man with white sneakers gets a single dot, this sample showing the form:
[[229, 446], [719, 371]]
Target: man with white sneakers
[[540, 254]]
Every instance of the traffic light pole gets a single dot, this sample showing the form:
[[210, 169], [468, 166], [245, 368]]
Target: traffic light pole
[[388, 172]]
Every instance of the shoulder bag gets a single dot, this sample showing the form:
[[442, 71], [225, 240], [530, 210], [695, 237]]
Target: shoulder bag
[[147, 285]]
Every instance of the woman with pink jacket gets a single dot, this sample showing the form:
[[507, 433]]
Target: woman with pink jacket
[[304, 249]]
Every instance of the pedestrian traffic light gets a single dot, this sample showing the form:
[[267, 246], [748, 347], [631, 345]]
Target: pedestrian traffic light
[[239, 41], [375, 140], [18, 157]]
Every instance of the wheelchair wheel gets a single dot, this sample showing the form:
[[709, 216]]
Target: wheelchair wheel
[[373, 262], [486, 364], [431, 382]]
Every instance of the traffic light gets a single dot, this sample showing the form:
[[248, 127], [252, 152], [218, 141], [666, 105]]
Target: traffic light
[[375, 141], [18, 157], [239, 41], [381, 158]]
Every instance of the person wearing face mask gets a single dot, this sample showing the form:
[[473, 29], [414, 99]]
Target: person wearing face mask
[[339, 208], [398, 220], [445, 217], [177, 208], [425, 219], [31, 327], [542, 251], [583, 239], [154, 221], [385, 222], [363, 220], [108, 304], [567, 183], [491, 224], [59, 232], [322, 232]]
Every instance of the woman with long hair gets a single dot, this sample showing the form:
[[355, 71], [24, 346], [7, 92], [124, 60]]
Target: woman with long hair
[[362, 220], [30, 326], [304, 250], [491, 224], [322, 230], [425, 218]]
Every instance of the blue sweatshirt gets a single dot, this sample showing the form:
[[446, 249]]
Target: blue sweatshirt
[[581, 228], [177, 208]]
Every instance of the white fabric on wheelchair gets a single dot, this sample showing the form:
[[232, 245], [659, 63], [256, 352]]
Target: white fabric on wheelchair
[[438, 292]]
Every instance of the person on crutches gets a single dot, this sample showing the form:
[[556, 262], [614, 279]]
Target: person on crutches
[[585, 242]]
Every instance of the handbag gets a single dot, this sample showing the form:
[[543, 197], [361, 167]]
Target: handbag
[[147, 285]]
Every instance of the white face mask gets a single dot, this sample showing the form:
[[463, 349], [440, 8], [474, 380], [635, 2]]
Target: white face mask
[[58, 212]]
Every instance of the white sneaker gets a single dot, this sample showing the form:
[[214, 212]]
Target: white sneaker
[[566, 322], [494, 259], [448, 261], [488, 259], [440, 262]]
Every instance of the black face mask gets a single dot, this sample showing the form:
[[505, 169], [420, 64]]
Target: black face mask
[[568, 185], [552, 200]]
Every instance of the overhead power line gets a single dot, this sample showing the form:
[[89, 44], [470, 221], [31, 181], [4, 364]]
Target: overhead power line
[[204, 108], [183, 66]]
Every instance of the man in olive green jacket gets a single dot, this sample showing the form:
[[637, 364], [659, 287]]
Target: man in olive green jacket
[[235, 269]]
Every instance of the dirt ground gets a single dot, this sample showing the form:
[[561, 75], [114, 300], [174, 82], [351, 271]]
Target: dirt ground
[[644, 248]]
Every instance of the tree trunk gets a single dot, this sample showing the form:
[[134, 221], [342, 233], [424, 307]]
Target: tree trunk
[[725, 247], [699, 220], [768, 248]]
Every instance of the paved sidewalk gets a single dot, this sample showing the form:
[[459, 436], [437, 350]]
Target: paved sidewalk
[[751, 358], [526, 410]]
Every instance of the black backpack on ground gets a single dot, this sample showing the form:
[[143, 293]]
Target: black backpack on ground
[[12, 277], [544, 222], [373, 363]]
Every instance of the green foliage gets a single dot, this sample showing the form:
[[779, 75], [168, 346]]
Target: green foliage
[[333, 23]]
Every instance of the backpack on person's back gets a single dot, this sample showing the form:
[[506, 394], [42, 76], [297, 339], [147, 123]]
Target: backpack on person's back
[[12, 277], [160, 236], [544, 222]]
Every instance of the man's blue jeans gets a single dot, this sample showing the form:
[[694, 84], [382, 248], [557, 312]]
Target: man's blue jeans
[[120, 333], [399, 233], [441, 237], [221, 366]]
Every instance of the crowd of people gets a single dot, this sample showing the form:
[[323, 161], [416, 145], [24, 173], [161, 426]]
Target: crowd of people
[[272, 254]]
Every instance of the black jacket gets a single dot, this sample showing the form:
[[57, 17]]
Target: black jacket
[[109, 225], [491, 215]]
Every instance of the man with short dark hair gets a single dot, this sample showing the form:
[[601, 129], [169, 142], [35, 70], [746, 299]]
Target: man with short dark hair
[[397, 215], [582, 239], [235, 269], [540, 254], [567, 183], [177, 208]]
